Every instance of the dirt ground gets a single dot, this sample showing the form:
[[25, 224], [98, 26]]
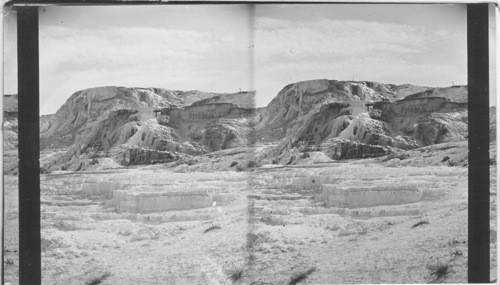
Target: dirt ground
[[266, 231]]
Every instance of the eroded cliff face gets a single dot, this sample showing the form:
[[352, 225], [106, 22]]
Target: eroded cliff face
[[295, 103], [456, 93], [366, 114], [92, 105], [399, 124], [419, 105], [341, 119], [201, 112], [95, 104], [153, 136], [242, 99]]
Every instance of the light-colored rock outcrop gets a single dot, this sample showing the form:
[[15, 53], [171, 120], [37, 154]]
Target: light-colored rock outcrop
[[242, 99], [95, 104], [456, 93], [340, 119], [355, 197]]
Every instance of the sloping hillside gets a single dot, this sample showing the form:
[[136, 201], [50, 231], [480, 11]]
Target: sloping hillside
[[455, 93], [91, 105], [243, 99], [296, 102], [341, 119], [110, 121], [328, 114]]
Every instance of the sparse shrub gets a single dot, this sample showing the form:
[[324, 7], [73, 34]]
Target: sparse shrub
[[272, 221], [251, 258], [455, 242], [9, 261], [251, 239], [333, 228], [235, 274], [256, 239], [251, 164], [439, 271], [419, 224], [396, 155], [212, 228], [65, 226], [305, 155], [98, 280], [301, 276], [100, 188], [125, 233], [45, 244], [259, 283], [240, 168]]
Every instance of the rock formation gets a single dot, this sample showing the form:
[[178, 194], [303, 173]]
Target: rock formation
[[328, 119], [91, 105], [96, 123], [456, 93], [370, 118]]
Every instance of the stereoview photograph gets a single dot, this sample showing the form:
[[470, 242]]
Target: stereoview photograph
[[248, 144]]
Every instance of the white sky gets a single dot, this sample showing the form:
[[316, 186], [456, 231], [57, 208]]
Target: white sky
[[209, 48]]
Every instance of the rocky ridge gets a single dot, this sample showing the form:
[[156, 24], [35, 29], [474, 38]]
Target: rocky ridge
[[312, 114], [321, 119], [128, 125]]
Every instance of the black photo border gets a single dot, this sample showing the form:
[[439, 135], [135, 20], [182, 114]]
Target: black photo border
[[29, 146]]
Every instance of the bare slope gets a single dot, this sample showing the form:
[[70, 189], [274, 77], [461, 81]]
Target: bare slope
[[150, 125], [95, 104], [346, 119], [455, 93], [121, 123], [243, 99], [296, 102]]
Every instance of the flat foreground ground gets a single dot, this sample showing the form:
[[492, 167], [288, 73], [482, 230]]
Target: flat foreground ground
[[263, 230]]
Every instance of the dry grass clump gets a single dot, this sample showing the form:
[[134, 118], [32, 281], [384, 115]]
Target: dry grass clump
[[235, 274], [65, 226], [454, 241], [249, 165], [212, 228], [255, 239], [439, 271], [259, 283], [101, 188], [420, 224], [301, 276], [98, 280], [272, 221]]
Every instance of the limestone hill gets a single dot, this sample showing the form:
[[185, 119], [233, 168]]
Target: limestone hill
[[295, 103], [316, 120], [95, 104], [454, 93]]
